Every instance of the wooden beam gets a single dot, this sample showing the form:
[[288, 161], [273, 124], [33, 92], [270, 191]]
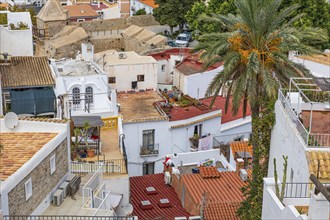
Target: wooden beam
[[320, 188]]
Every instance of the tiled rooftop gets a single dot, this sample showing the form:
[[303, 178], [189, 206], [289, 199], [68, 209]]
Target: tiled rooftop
[[150, 3], [193, 64], [81, 11], [50, 120], [209, 172], [139, 107], [321, 58], [138, 186], [19, 147], [97, 7], [26, 72], [223, 194], [227, 211], [166, 54], [226, 117], [227, 190], [315, 158], [241, 146], [320, 121]]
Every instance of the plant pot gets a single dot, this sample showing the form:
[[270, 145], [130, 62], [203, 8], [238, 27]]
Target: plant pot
[[74, 155], [90, 152]]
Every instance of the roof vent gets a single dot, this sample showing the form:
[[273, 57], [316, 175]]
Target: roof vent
[[243, 174], [194, 218], [151, 190], [145, 205], [180, 218], [164, 203], [122, 56]]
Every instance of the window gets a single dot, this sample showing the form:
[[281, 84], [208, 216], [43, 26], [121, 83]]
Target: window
[[148, 139], [76, 95], [292, 174], [89, 95], [52, 165], [80, 20], [140, 78], [198, 130], [148, 168], [163, 68], [177, 62], [134, 84], [28, 189], [111, 80]]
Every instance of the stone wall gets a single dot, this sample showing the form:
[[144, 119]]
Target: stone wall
[[107, 44], [51, 27], [42, 183], [117, 23]]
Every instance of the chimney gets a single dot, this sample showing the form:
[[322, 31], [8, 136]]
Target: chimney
[[98, 3], [239, 165]]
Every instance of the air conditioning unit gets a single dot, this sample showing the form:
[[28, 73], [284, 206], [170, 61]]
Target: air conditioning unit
[[58, 197], [74, 185], [66, 189], [243, 174], [155, 151]]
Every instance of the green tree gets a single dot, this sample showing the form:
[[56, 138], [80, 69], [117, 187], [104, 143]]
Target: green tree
[[171, 12], [141, 11], [254, 51], [212, 7]]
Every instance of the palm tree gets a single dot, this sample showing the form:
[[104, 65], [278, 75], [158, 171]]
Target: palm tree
[[255, 51]]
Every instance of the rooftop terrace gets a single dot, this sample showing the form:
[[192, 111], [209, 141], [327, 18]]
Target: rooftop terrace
[[308, 107], [139, 107]]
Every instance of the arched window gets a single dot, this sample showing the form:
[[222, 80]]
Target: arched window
[[76, 95], [89, 95]]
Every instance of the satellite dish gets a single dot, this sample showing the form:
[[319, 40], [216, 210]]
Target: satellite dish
[[11, 120], [128, 209]]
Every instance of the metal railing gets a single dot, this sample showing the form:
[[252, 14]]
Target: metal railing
[[293, 116], [318, 140], [299, 190], [108, 167], [65, 217], [149, 150], [224, 140]]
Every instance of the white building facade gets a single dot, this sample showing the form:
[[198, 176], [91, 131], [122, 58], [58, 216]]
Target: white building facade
[[136, 5], [128, 71], [83, 89], [16, 37]]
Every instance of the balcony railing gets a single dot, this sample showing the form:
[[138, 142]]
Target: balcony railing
[[300, 190], [64, 217], [149, 150], [115, 166]]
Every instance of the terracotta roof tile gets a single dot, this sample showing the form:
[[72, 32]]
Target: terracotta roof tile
[[220, 103], [19, 147], [241, 146], [321, 58], [209, 172], [166, 54], [81, 11], [225, 211], [150, 3], [228, 187], [26, 72], [316, 158], [140, 183], [50, 120]]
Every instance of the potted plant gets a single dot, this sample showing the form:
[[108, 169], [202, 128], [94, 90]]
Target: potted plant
[[194, 140]]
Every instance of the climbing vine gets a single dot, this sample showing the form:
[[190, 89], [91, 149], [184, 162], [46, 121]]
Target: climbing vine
[[251, 206]]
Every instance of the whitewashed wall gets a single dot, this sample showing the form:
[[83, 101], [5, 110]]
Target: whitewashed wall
[[125, 74], [170, 141], [133, 141], [164, 76], [17, 42], [286, 140], [111, 13], [139, 5], [272, 208]]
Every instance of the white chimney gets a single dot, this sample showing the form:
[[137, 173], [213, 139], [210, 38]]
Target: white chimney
[[87, 52]]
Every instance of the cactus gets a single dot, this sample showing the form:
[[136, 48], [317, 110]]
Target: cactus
[[280, 195]]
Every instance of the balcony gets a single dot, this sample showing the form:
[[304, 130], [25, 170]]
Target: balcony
[[150, 150], [308, 108]]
